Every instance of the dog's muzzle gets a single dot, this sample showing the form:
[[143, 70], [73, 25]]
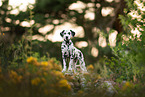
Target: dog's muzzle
[[66, 37]]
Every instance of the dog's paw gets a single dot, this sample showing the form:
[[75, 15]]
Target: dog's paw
[[84, 71], [70, 70]]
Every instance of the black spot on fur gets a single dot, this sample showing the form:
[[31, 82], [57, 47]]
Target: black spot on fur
[[65, 55], [67, 42], [80, 55]]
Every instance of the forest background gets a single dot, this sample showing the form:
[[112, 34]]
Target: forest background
[[110, 33]]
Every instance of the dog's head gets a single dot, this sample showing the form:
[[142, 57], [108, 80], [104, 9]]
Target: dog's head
[[67, 34]]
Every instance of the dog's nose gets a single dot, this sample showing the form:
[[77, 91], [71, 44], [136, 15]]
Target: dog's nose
[[66, 37]]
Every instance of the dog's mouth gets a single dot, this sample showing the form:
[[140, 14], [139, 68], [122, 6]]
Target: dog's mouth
[[66, 38], [67, 41]]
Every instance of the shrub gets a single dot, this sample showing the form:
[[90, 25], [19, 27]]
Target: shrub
[[34, 79]]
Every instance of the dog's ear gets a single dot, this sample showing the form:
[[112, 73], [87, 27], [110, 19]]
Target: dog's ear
[[72, 33], [61, 34]]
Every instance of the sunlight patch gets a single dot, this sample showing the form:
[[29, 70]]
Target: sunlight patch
[[20, 5], [98, 5], [102, 41], [14, 11], [55, 21], [107, 10], [90, 5], [27, 24], [90, 15], [8, 20], [66, 26], [49, 37], [78, 6], [136, 32], [38, 37], [109, 0], [112, 38], [81, 44], [46, 29], [140, 5], [94, 52]]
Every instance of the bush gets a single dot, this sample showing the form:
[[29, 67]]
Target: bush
[[128, 63], [34, 79]]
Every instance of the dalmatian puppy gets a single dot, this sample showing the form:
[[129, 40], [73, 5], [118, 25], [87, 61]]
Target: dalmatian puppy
[[69, 51]]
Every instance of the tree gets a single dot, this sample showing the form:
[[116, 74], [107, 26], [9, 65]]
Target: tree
[[46, 11], [61, 11], [128, 63]]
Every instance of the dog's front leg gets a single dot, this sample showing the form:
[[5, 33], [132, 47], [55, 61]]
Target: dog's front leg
[[64, 65], [70, 65], [71, 62]]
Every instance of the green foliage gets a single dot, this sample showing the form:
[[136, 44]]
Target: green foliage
[[128, 63], [40, 74], [15, 53]]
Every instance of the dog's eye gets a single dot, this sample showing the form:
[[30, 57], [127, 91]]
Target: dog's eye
[[69, 33], [64, 33]]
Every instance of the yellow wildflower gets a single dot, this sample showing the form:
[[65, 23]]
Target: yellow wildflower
[[35, 81], [50, 66], [36, 63], [80, 92], [31, 60], [57, 74], [64, 84], [127, 85], [51, 61], [15, 77], [90, 67], [44, 63], [57, 67]]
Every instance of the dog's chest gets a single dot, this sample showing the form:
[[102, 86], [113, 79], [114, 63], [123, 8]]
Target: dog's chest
[[66, 47]]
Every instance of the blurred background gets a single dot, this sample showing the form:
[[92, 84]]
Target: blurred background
[[36, 25], [110, 33]]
